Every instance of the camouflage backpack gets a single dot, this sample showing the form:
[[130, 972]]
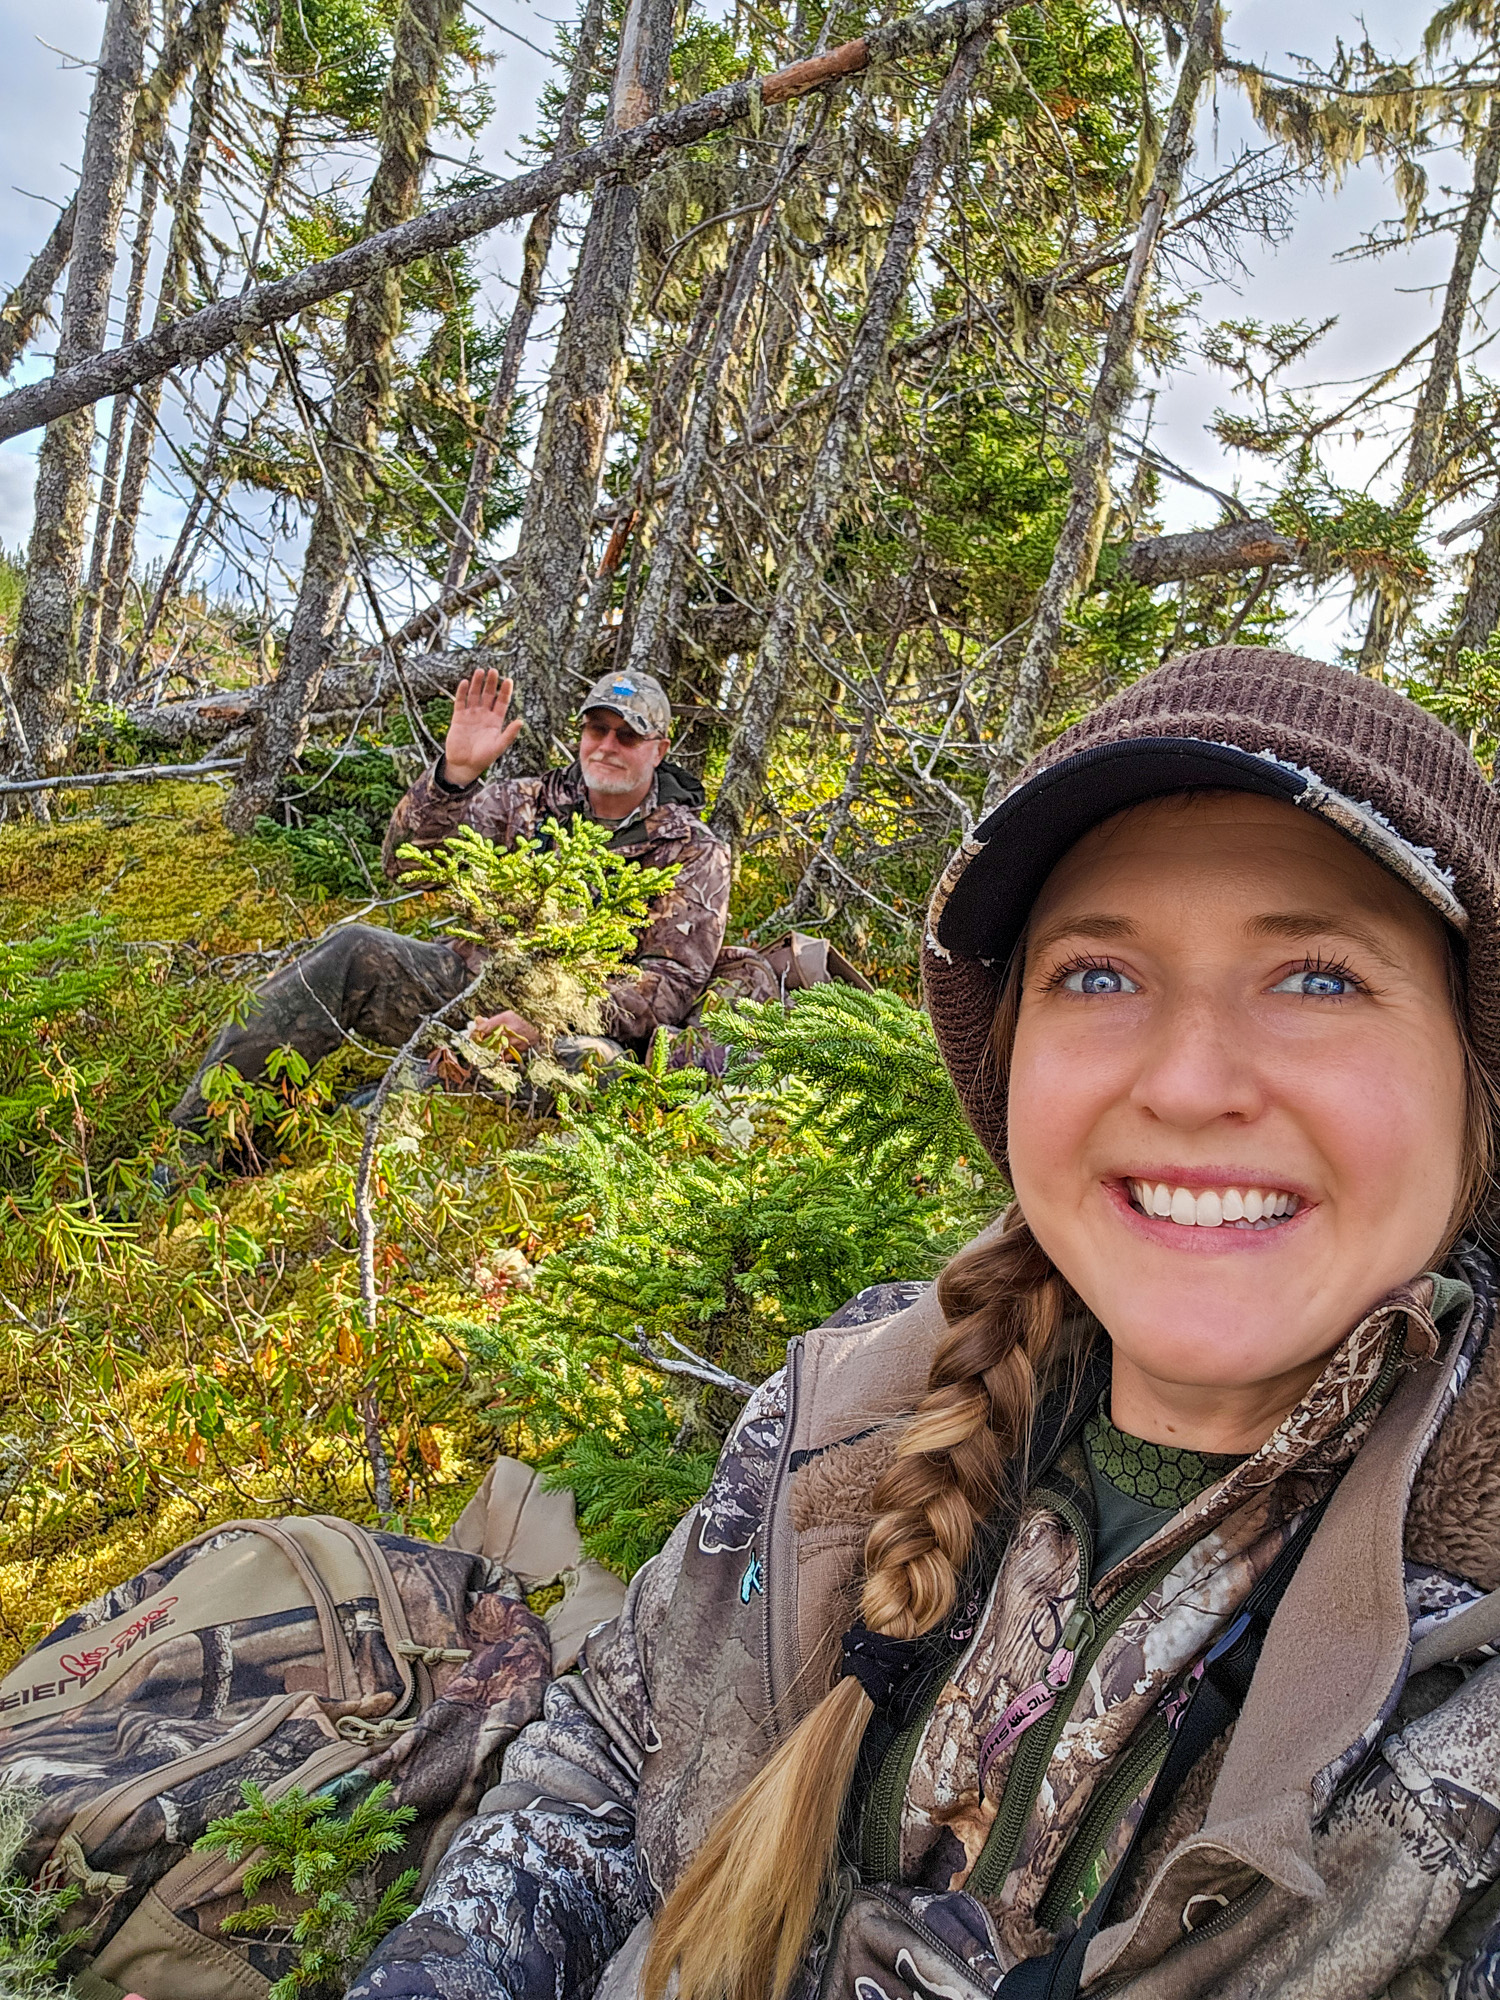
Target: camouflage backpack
[[304, 1652]]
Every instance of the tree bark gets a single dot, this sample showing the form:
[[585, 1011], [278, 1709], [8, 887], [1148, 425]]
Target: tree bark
[[109, 480], [828, 481], [1426, 439], [650, 637], [1481, 609], [1077, 552], [45, 660], [229, 320], [1233, 545], [534, 254], [190, 536], [557, 520], [363, 386], [26, 305], [214, 16]]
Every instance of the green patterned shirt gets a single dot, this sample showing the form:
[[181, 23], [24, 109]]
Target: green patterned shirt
[[1139, 1486]]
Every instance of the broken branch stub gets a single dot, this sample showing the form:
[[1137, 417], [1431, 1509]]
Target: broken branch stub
[[1233, 545]]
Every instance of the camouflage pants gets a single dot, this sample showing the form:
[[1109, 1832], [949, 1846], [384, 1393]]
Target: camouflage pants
[[361, 980]]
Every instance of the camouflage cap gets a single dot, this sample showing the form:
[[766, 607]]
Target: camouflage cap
[[641, 700]]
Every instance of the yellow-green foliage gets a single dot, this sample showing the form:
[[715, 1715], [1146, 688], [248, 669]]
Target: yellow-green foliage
[[558, 915], [172, 1363]]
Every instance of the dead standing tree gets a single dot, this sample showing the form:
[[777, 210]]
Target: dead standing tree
[[828, 481], [1425, 444], [535, 250], [373, 321], [175, 289], [557, 521], [1078, 545], [26, 305], [44, 659]]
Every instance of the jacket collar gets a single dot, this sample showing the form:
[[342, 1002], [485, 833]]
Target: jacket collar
[[1334, 1660]]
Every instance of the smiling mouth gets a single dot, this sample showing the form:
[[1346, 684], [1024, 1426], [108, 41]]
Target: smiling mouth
[[1214, 1208]]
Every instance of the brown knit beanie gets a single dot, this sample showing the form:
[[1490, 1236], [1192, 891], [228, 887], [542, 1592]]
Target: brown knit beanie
[[1234, 718]]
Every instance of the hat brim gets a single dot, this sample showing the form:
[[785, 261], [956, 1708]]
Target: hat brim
[[1013, 851]]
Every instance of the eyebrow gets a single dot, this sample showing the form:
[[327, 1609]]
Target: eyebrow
[[1299, 925], [1296, 926], [1092, 924]]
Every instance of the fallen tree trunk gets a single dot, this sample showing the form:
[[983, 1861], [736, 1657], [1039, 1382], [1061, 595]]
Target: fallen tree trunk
[[140, 774], [368, 685], [236, 319], [1233, 545]]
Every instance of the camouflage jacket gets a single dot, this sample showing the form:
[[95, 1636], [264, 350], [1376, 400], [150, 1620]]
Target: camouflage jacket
[[1342, 1843], [675, 952]]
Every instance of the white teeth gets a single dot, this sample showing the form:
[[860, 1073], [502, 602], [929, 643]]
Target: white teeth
[[1212, 1208]]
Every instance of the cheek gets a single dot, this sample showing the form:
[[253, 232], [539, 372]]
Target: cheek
[[1388, 1116], [1062, 1084]]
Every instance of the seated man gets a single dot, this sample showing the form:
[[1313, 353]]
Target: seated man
[[378, 985]]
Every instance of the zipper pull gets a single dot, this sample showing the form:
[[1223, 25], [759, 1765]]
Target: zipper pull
[[1078, 1631]]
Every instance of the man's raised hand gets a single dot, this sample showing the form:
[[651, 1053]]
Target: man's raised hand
[[479, 732]]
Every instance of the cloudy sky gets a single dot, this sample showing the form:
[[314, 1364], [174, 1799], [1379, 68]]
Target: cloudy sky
[[1382, 306]]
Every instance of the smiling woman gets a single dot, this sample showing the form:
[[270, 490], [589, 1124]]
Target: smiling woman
[[1170, 1521], [1229, 1008]]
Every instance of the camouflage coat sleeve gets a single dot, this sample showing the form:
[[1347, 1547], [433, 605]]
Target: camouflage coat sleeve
[[675, 953], [505, 810], [542, 1887]]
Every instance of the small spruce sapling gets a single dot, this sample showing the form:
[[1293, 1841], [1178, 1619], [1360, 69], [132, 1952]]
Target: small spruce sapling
[[33, 1942], [558, 916], [328, 1860]]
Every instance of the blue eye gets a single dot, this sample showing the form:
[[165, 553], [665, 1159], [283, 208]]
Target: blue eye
[[1098, 979], [1314, 985]]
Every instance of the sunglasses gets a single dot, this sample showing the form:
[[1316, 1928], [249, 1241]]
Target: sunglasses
[[624, 735]]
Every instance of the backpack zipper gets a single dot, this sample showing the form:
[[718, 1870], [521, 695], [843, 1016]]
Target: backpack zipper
[[1215, 1927], [929, 1937], [1085, 1635]]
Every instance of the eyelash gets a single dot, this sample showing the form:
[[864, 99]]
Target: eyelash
[[1331, 968], [1315, 962], [1082, 962]]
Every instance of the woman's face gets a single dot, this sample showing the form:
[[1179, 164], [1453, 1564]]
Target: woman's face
[[1236, 1101]]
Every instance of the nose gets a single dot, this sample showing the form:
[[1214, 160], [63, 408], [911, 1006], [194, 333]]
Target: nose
[[1197, 1066]]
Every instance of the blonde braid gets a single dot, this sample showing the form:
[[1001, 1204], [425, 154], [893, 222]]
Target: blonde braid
[[738, 1923], [1003, 1301]]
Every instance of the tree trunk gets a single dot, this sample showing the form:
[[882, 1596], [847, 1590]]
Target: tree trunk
[[109, 479], [669, 549], [44, 661], [363, 385], [1077, 552], [190, 537], [1425, 445], [175, 289], [828, 481], [26, 306], [1481, 612], [535, 251], [557, 521]]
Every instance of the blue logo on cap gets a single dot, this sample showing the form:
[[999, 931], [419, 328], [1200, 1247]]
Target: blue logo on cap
[[624, 687]]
